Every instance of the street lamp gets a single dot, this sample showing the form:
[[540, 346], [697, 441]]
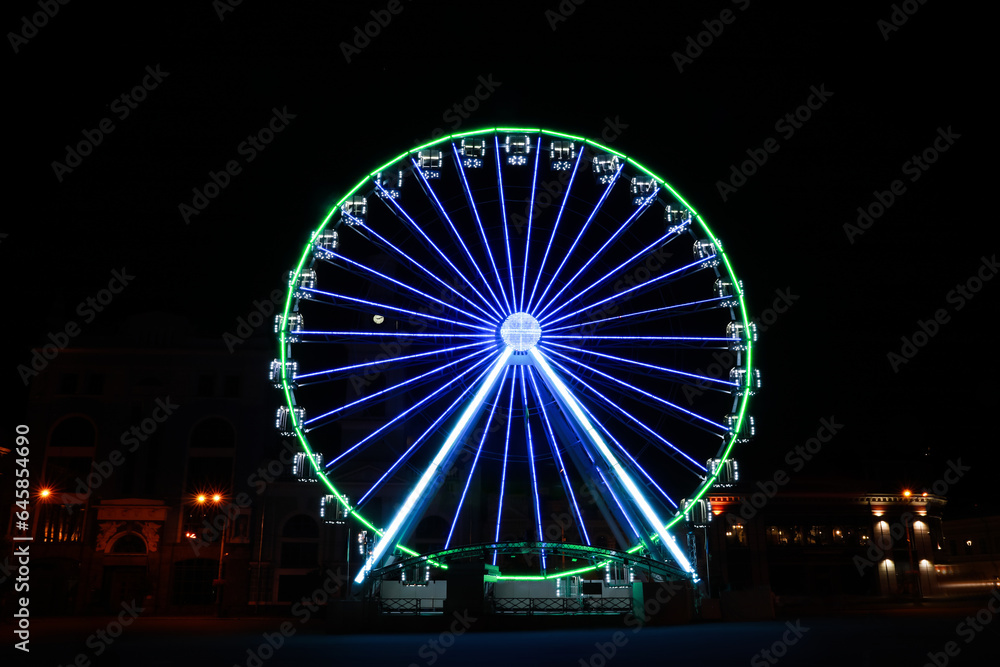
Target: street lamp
[[216, 499]]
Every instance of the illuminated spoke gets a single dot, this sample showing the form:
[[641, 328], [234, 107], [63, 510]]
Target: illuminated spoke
[[416, 227], [503, 215], [400, 417], [661, 369], [395, 387], [429, 191], [643, 392], [635, 464], [531, 215], [555, 228], [396, 309], [332, 255], [479, 225], [435, 469], [332, 373], [385, 243], [635, 420], [618, 318], [697, 264], [387, 334], [503, 474], [472, 468], [531, 464], [576, 241], [563, 475], [621, 230]]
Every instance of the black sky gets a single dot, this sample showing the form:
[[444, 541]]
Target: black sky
[[783, 229]]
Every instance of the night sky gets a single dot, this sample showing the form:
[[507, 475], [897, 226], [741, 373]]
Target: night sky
[[214, 77]]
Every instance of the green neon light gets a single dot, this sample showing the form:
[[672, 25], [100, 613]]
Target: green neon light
[[307, 251]]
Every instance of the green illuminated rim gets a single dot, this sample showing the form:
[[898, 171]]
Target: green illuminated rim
[[283, 344]]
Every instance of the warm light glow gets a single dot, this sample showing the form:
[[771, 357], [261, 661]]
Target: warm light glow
[[906, 493], [216, 498], [878, 512], [45, 493], [201, 498], [925, 494]]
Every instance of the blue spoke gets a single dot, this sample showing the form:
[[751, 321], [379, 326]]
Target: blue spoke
[[430, 273], [440, 252], [479, 223], [328, 254], [396, 386], [624, 451], [531, 464], [576, 241], [423, 436], [472, 468], [663, 240], [503, 215], [621, 230], [392, 334], [627, 414], [555, 228], [444, 387], [563, 475], [640, 313], [646, 285], [386, 362], [700, 339], [721, 427], [441, 210], [531, 214], [662, 369], [384, 306], [503, 474]]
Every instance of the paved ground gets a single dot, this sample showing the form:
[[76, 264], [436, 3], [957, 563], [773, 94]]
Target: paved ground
[[883, 637]]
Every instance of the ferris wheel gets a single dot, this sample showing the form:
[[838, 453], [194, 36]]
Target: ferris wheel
[[512, 339]]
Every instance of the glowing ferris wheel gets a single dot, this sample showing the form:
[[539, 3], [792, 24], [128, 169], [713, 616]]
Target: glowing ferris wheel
[[506, 331]]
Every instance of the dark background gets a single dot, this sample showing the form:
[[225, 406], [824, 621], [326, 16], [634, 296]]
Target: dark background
[[607, 61]]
